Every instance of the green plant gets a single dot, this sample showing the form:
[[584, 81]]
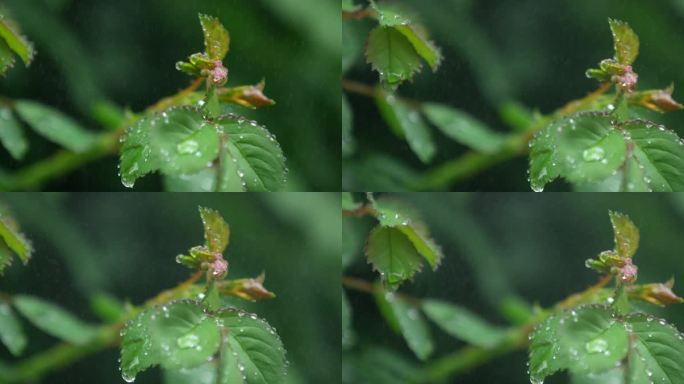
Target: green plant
[[597, 143], [186, 330], [596, 335], [187, 137]]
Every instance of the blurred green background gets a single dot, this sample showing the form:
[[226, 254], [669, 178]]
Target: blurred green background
[[528, 51], [515, 245], [125, 245], [125, 51]]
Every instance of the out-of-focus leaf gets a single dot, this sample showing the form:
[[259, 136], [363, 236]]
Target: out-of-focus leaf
[[626, 42], [216, 37], [463, 128], [6, 58], [392, 55], [54, 320], [55, 126], [17, 42], [462, 323], [378, 366], [349, 6], [393, 255], [408, 123], [216, 230], [348, 202], [412, 325], [11, 332], [249, 96], [348, 144], [347, 333], [107, 307]]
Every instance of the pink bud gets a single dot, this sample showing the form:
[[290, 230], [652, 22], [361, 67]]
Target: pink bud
[[220, 73]]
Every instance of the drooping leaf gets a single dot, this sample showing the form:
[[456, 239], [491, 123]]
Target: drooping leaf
[[55, 126], [626, 234], [14, 240], [137, 350], [216, 230], [392, 55], [11, 332], [412, 325], [407, 123], [251, 351], [183, 141], [462, 323], [393, 255], [15, 40], [626, 42], [427, 49], [260, 161], [54, 320], [656, 353], [216, 37], [584, 340], [658, 153], [463, 128], [184, 334]]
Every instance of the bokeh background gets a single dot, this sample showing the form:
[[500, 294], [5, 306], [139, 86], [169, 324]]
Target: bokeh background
[[124, 52], [125, 245], [500, 247], [530, 52]]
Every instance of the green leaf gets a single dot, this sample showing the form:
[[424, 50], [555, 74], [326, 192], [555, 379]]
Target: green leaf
[[392, 55], [137, 350], [6, 58], [348, 145], [184, 334], [613, 376], [183, 141], [656, 353], [216, 37], [393, 255], [390, 14], [55, 126], [543, 166], [54, 320], [15, 241], [11, 333], [180, 142], [626, 234], [376, 365], [347, 332], [251, 351], [583, 340], [412, 325], [463, 128], [658, 153], [463, 324], [394, 213], [259, 159], [625, 42], [422, 44], [407, 122], [15, 40], [216, 230], [348, 202], [204, 374]]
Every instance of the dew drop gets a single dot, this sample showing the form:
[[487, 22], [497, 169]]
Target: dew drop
[[188, 341], [594, 154]]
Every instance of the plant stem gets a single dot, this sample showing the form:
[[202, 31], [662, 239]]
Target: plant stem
[[471, 356], [64, 354], [63, 162]]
